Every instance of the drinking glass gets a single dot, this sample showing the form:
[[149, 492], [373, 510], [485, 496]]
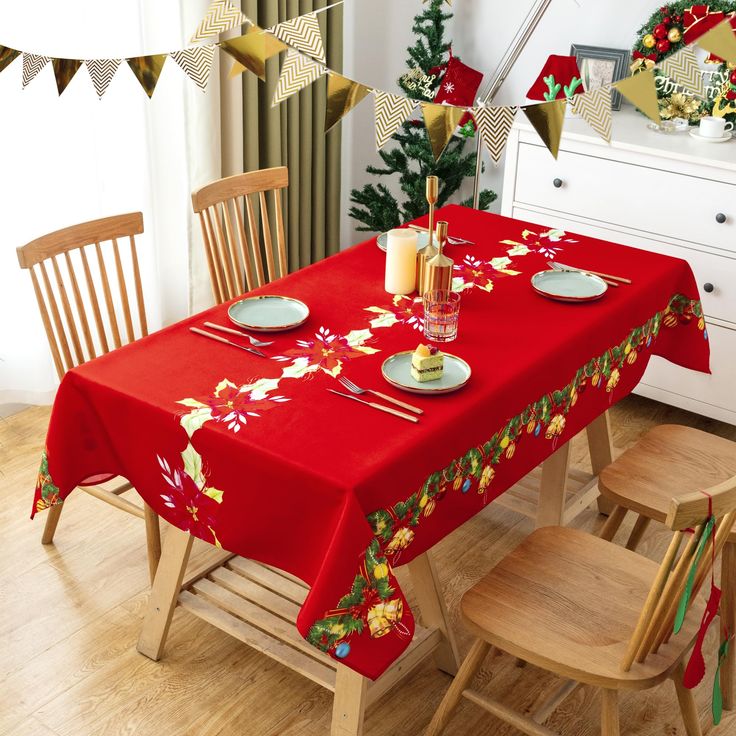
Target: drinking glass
[[441, 315]]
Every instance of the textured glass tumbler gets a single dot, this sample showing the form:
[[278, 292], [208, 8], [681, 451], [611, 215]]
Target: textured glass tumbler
[[441, 315]]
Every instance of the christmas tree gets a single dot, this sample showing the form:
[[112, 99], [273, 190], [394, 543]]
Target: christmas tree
[[375, 207]]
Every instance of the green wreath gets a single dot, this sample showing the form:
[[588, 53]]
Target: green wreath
[[663, 35]]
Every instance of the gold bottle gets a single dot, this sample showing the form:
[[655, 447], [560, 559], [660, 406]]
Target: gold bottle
[[438, 271], [429, 251]]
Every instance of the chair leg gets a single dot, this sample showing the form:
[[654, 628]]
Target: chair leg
[[728, 611], [610, 725], [640, 527], [348, 708], [153, 539], [52, 519], [468, 669], [688, 708], [613, 523]]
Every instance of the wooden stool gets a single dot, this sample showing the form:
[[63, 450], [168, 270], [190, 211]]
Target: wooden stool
[[591, 612], [669, 461]]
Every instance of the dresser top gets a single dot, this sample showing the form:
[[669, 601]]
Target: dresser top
[[630, 133]]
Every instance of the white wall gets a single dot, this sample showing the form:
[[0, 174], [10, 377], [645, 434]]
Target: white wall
[[378, 31]]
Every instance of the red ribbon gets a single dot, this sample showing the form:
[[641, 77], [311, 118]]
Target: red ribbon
[[639, 55]]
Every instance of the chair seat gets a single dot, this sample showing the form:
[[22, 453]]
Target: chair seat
[[669, 461], [568, 602]]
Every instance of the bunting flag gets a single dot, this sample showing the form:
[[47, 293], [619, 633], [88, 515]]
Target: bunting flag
[[720, 41], [683, 68], [64, 71], [101, 72], [32, 65], [641, 91], [7, 56], [343, 95], [221, 16], [196, 63], [595, 108], [297, 72], [441, 122], [391, 113], [548, 120], [147, 70], [253, 49], [236, 70], [494, 125], [304, 34]]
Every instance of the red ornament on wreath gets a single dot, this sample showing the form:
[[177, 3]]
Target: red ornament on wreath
[[663, 46]]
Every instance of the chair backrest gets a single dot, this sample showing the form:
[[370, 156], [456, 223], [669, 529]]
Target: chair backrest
[[83, 248], [235, 257], [687, 518]]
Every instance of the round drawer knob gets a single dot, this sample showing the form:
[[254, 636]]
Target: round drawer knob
[[708, 288], [720, 217], [557, 183]]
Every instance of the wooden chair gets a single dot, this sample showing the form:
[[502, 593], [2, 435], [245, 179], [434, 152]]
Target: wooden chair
[[71, 338], [668, 461], [236, 259], [594, 613]]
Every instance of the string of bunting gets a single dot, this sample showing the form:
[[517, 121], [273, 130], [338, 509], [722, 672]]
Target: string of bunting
[[305, 62]]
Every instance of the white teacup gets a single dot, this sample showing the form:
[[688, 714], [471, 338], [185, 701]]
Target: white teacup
[[711, 127]]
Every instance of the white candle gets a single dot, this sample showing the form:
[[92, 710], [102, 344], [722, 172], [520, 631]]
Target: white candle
[[401, 262]]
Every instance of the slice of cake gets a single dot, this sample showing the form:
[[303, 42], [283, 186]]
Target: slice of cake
[[427, 364]]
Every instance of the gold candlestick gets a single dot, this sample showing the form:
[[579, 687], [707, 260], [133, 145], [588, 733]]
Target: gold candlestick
[[429, 251], [438, 270]]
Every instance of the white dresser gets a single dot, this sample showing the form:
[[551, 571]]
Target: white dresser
[[669, 194]]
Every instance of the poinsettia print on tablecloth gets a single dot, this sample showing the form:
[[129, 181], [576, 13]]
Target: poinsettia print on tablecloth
[[472, 272], [405, 310], [548, 244]]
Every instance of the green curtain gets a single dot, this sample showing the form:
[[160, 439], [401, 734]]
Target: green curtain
[[292, 135]]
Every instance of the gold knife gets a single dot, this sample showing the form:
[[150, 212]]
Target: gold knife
[[385, 409]]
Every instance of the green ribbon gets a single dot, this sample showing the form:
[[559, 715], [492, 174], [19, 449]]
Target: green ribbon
[[717, 694], [687, 595]]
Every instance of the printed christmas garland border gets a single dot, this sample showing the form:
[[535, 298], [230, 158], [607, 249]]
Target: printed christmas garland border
[[372, 602]]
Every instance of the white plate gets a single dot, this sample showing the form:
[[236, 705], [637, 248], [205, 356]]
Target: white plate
[[422, 240], [268, 313], [695, 133], [396, 370], [569, 286]]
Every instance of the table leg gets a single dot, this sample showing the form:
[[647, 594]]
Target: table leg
[[165, 592], [728, 582], [348, 708], [551, 509], [433, 611], [601, 452]]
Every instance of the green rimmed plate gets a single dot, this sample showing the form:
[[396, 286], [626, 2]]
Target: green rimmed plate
[[422, 241], [396, 370], [569, 286], [268, 313]]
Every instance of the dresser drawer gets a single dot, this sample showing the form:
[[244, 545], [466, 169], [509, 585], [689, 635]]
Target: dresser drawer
[[716, 271], [639, 197], [716, 390]]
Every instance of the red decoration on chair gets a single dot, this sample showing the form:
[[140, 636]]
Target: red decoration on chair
[[559, 78]]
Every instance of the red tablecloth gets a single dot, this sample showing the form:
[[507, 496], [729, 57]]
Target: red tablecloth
[[256, 455]]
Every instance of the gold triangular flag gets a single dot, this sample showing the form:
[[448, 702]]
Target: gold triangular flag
[[548, 118], [196, 62], [391, 113], [683, 68], [641, 91], [494, 125], [304, 34], [221, 16], [253, 49], [235, 70], [720, 41], [64, 71], [297, 72], [595, 108], [441, 122], [101, 72], [32, 65], [7, 56], [147, 70], [343, 95]]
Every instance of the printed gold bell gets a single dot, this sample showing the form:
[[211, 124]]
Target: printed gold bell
[[382, 618], [438, 270]]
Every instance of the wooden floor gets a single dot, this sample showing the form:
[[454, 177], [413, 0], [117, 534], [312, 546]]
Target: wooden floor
[[70, 616]]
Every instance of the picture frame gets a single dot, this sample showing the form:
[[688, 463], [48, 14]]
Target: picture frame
[[599, 66]]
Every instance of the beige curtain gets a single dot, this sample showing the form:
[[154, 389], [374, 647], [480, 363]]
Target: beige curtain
[[258, 136]]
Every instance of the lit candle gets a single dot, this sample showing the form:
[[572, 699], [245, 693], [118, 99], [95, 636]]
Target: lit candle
[[401, 262]]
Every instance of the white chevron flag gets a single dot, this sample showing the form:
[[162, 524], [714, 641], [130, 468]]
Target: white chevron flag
[[684, 69], [391, 112], [221, 16], [297, 72], [494, 125], [302, 33], [101, 72], [595, 108], [196, 63], [32, 65]]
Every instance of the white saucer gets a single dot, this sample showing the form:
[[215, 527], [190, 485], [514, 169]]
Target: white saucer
[[695, 133], [569, 286]]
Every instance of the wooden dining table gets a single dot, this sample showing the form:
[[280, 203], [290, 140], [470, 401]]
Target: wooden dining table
[[315, 500]]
